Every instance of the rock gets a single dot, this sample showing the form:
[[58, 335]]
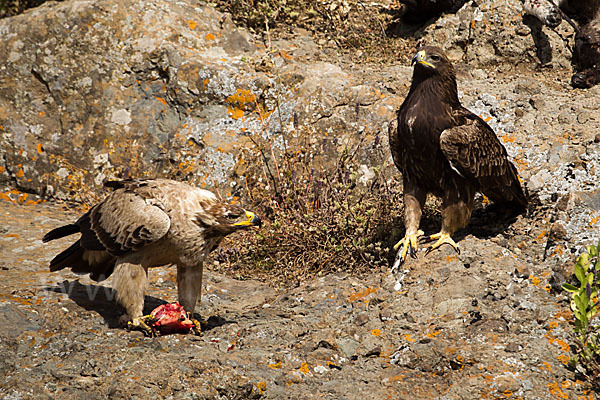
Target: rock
[[347, 346], [105, 98]]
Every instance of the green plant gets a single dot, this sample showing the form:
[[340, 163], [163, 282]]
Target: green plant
[[585, 304]]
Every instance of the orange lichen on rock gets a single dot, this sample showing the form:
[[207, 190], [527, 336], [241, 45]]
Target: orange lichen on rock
[[241, 97], [408, 338], [361, 294], [192, 24], [261, 386], [235, 113], [304, 368], [210, 36], [277, 365], [555, 390]]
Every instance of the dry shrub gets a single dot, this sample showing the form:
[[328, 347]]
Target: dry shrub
[[363, 28], [319, 219]]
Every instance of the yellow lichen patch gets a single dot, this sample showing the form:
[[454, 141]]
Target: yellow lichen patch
[[563, 358], [40, 149], [210, 36], [556, 391], [261, 386], [205, 83], [521, 164], [12, 235], [535, 281], [361, 294], [242, 96], [508, 138], [20, 173], [192, 24], [235, 113], [304, 368], [277, 365], [546, 366], [376, 332], [433, 334], [594, 220], [163, 101], [408, 338], [2, 169]]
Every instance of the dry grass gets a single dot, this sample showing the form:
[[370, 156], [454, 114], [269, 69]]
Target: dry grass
[[318, 220]]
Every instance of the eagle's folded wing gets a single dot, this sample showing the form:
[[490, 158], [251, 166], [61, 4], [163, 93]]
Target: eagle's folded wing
[[126, 221], [474, 151]]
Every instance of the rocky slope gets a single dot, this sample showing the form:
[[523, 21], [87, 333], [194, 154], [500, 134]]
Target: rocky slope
[[108, 89]]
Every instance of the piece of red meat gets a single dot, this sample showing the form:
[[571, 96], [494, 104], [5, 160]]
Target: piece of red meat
[[170, 318]]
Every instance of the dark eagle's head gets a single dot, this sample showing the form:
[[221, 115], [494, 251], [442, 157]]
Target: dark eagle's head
[[433, 73], [431, 60]]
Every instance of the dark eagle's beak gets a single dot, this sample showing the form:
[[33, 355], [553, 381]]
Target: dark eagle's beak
[[251, 220], [420, 58]]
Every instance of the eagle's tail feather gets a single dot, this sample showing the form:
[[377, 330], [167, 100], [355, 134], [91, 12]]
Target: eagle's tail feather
[[71, 257], [60, 232], [511, 197]]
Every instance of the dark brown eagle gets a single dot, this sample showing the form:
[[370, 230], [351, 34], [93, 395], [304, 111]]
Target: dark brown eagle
[[444, 149], [144, 224]]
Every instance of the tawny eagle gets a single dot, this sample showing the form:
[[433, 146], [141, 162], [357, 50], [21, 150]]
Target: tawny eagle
[[444, 149], [144, 224]]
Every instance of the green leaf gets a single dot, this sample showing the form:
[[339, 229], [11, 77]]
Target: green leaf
[[569, 288], [580, 273]]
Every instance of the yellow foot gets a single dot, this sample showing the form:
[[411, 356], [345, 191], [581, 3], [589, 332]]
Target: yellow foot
[[409, 245], [442, 238], [142, 324], [197, 328]]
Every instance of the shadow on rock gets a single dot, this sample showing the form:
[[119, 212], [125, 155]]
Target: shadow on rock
[[100, 299], [543, 49], [487, 222]]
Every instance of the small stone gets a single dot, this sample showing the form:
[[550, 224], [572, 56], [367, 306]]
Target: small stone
[[374, 352], [584, 117], [347, 346], [566, 117], [522, 271], [362, 319], [512, 348], [558, 231]]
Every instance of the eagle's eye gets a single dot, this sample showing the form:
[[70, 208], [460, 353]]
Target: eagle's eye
[[232, 215], [435, 57]]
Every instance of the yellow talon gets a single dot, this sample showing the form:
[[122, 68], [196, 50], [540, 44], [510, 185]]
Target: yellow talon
[[141, 323], [442, 238], [197, 328], [410, 244]]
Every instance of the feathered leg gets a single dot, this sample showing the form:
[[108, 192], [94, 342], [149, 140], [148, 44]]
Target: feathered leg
[[129, 281], [189, 286], [455, 215], [414, 200]]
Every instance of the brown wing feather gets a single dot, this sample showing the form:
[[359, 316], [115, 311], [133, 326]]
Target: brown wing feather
[[125, 221], [475, 152]]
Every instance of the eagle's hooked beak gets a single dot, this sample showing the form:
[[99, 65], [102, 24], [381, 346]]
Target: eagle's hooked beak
[[252, 220], [420, 58]]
